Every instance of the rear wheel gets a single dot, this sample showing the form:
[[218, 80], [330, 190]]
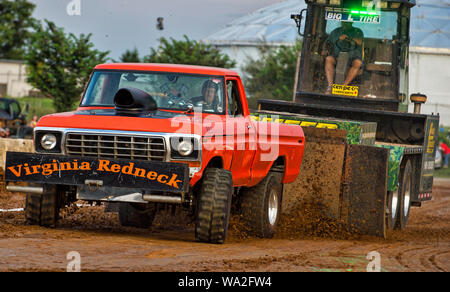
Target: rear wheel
[[213, 206], [261, 205], [393, 204], [43, 209], [405, 192], [136, 215]]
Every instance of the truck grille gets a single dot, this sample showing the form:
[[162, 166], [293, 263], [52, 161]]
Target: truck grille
[[115, 146]]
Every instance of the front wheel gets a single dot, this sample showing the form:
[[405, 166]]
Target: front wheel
[[261, 205], [43, 209], [213, 206]]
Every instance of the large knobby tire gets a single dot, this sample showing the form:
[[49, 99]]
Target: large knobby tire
[[405, 192], [42, 209], [213, 206], [393, 208], [137, 215], [261, 205]]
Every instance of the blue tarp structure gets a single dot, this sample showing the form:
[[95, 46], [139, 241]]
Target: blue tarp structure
[[271, 24], [430, 25]]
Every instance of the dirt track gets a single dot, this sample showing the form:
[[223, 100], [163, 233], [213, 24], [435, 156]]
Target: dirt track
[[105, 246]]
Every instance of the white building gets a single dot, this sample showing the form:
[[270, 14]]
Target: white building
[[429, 52], [13, 75], [429, 59]]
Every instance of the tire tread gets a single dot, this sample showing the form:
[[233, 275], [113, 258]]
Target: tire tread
[[214, 205], [42, 210], [253, 206]]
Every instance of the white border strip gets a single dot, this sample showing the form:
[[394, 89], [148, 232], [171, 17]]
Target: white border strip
[[22, 209], [11, 210]]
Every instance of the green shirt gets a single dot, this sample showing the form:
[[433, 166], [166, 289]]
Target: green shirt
[[352, 33]]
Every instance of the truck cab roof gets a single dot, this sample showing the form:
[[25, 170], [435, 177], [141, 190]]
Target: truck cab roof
[[203, 70]]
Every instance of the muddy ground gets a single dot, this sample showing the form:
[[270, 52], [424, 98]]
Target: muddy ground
[[169, 246]]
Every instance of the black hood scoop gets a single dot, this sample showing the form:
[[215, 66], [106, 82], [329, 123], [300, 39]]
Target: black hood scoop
[[134, 102]]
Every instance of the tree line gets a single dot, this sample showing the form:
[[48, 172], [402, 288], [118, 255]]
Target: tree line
[[59, 64]]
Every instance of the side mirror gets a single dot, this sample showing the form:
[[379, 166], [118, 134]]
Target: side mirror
[[25, 111], [298, 21], [12, 114]]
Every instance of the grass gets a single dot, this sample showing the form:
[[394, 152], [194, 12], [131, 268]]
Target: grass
[[442, 173], [38, 106]]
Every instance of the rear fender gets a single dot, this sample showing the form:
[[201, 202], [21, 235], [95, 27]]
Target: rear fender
[[274, 141], [396, 154]]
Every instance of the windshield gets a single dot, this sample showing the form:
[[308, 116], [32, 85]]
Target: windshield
[[383, 26], [351, 53], [172, 91]]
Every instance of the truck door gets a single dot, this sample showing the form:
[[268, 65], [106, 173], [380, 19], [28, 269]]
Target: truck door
[[243, 133]]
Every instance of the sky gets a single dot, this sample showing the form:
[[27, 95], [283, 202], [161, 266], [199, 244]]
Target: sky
[[118, 25]]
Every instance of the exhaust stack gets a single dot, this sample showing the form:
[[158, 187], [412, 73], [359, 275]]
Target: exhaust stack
[[134, 102]]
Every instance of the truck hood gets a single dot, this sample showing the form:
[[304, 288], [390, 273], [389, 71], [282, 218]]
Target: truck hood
[[105, 119]]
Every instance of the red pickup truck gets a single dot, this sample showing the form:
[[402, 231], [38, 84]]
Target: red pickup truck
[[149, 134]]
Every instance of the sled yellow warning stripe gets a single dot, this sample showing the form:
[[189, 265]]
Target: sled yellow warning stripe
[[300, 123]]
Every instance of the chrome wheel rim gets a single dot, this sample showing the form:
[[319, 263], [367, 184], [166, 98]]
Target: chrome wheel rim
[[394, 205], [273, 207], [407, 197]]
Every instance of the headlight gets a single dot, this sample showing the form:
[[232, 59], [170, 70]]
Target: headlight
[[185, 148], [49, 141]]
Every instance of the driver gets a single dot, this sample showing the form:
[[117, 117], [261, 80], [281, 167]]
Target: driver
[[344, 39], [208, 100]]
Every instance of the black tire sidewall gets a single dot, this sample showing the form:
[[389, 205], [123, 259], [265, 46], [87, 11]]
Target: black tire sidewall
[[255, 206], [227, 216], [273, 183]]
